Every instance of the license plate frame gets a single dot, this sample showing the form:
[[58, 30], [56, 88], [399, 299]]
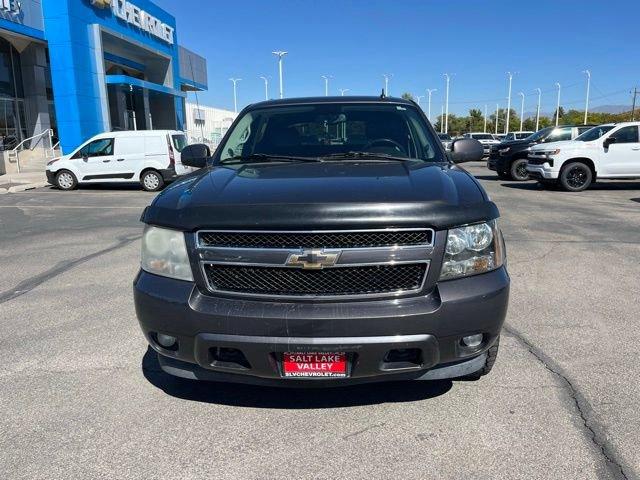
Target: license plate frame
[[315, 365]]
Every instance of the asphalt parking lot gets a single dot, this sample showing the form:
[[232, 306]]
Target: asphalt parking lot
[[82, 397]]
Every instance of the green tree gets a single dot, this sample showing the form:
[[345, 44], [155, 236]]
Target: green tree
[[407, 96]]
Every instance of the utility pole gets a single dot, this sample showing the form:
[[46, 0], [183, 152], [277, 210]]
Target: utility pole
[[235, 96], [586, 104], [266, 87], [633, 106], [485, 118], [521, 110], [386, 76], [446, 102], [326, 84], [497, 116], [506, 125], [538, 108], [558, 105], [343, 90], [280, 54], [430, 91]]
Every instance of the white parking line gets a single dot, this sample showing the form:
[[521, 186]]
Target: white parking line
[[73, 206]]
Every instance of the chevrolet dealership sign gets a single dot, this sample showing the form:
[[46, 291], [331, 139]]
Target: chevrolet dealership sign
[[134, 15]]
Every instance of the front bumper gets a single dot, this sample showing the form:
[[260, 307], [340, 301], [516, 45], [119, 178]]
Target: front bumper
[[51, 177], [433, 324], [540, 172]]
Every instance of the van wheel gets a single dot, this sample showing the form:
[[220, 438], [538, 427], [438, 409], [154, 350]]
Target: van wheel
[[492, 354], [65, 180], [518, 170], [576, 177], [151, 181]]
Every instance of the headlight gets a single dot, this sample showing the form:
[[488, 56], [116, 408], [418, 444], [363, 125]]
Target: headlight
[[164, 252], [504, 150], [471, 250], [553, 152], [52, 161]]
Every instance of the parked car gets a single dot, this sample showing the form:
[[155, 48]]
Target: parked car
[[605, 151], [486, 139], [521, 135], [302, 254], [151, 157], [446, 140], [509, 159]]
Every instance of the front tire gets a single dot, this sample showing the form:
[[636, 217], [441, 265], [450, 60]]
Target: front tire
[[518, 170], [492, 355], [151, 181], [66, 180], [576, 177]]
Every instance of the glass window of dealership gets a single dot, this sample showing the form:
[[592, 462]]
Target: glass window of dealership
[[81, 67]]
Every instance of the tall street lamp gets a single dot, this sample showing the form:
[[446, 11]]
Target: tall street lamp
[[280, 54], [497, 116], [586, 104], [521, 110], [558, 105], [343, 90], [506, 126], [429, 92], [538, 108], [386, 76], [266, 86], [326, 84], [446, 103], [235, 96], [418, 98]]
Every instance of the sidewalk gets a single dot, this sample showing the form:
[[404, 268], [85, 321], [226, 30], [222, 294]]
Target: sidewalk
[[18, 182]]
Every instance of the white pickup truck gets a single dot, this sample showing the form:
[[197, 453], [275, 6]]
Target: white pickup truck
[[606, 151]]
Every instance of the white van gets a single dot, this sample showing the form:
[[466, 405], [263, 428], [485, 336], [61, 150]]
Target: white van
[[151, 157]]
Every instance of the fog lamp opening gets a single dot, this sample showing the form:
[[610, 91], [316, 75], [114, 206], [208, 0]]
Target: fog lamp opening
[[472, 341]]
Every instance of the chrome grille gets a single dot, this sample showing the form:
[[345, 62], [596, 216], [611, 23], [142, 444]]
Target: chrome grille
[[317, 239], [360, 280]]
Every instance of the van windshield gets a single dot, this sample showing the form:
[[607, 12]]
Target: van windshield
[[179, 142], [331, 130]]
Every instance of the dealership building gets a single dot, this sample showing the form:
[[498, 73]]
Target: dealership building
[[81, 67]]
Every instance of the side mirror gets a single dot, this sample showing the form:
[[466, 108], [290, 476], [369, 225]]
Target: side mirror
[[195, 155], [608, 141], [466, 150]]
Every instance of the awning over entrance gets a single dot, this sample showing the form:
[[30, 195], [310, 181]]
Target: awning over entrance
[[136, 82]]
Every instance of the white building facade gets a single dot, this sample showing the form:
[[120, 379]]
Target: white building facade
[[207, 124]]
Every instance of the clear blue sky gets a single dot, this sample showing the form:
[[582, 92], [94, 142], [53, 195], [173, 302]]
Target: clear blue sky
[[357, 41]]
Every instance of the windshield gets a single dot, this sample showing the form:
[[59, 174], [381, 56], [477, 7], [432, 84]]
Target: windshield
[[594, 133], [540, 134], [523, 135], [482, 136], [332, 129]]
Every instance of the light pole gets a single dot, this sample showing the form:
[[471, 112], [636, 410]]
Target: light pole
[[538, 108], [430, 91], [446, 103], [521, 110], [506, 126], [485, 118], [497, 116], [280, 54], [342, 90], [586, 104], [266, 86], [558, 105], [326, 84], [418, 97], [441, 118], [386, 76], [235, 96]]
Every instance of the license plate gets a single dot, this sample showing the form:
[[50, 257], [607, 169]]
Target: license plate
[[314, 364]]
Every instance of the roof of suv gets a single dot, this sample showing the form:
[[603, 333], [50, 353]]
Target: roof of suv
[[335, 99]]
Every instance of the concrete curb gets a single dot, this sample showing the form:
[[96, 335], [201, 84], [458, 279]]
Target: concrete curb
[[27, 186]]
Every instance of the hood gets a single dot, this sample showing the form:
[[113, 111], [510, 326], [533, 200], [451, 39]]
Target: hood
[[322, 195], [560, 144]]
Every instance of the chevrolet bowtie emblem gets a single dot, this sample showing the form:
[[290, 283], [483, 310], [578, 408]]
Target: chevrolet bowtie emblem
[[312, 259]]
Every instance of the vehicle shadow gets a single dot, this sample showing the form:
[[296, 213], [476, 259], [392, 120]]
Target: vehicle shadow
[[599, 186], [488, 177], [240, 395]]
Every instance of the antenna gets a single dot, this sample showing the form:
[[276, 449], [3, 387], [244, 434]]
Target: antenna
[[383, 95]]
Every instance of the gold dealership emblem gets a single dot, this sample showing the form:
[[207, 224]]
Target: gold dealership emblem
[[101, 3], [312, 259]]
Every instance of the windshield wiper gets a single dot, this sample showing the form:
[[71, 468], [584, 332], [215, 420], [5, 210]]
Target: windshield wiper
[[265, 157], [370, 155]]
